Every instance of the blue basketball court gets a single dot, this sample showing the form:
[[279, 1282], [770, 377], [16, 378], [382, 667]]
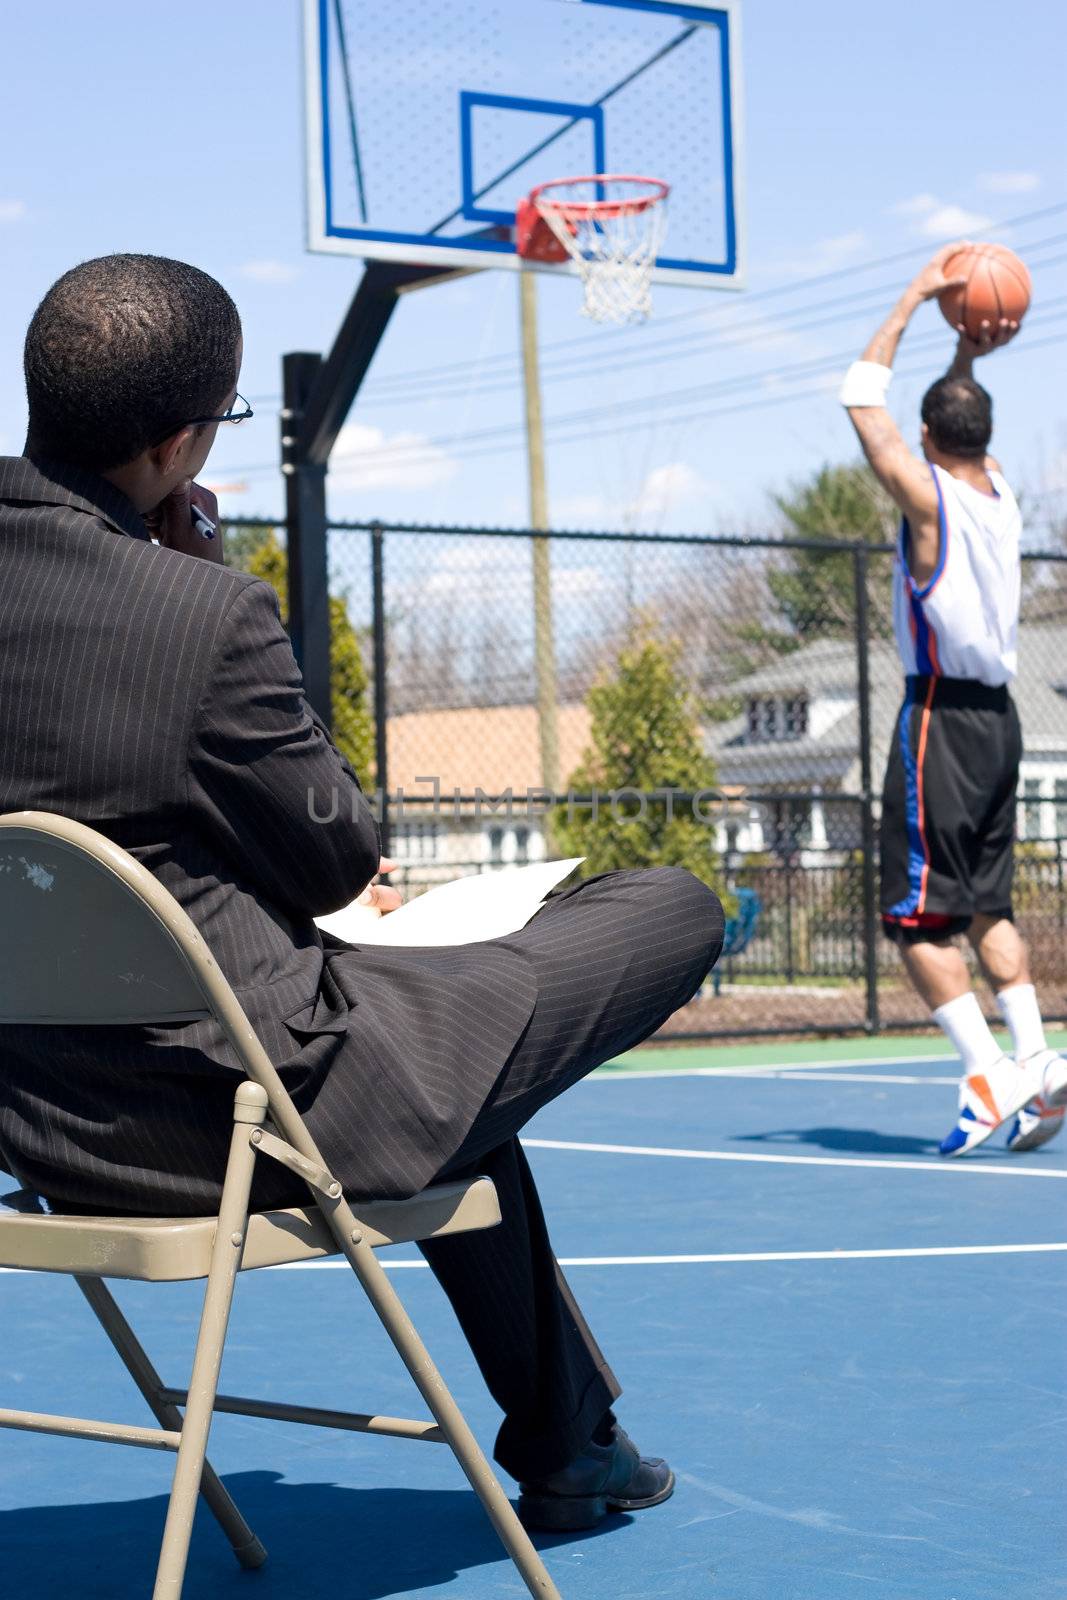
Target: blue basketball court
[[850, 1350]]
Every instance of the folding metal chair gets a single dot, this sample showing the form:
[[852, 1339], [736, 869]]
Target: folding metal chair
[[89, 936]]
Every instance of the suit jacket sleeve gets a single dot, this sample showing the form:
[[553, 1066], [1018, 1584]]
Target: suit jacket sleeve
[[270, 785]]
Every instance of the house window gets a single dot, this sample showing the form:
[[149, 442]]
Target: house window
[[769, 719], [1031, 808], [496, 845], [1059, 790], [522, 845], [796, 717], [416, 841], [762, 718]]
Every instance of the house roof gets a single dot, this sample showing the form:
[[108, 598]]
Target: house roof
[[827, 672], [827, 666], [494, 748]]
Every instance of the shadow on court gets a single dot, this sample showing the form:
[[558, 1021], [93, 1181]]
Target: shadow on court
[[855, 1141], [323, 1540]]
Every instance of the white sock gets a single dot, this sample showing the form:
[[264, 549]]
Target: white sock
[[963, 1022], [1018, 1006]]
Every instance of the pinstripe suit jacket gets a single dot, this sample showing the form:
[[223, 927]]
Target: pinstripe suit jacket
[[155, 697]]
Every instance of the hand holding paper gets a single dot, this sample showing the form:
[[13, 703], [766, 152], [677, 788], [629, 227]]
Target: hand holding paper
[[487, 905]]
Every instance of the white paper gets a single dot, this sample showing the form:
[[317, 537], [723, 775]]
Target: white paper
[[486, 905]]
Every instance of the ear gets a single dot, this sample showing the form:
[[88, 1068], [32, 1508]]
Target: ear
[[167, 457]]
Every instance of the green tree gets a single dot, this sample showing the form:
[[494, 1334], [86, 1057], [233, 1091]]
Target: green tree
[[644, 736], [814, 589], [257, 550]]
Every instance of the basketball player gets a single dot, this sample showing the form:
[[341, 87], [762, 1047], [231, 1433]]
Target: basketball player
[[948, 807]]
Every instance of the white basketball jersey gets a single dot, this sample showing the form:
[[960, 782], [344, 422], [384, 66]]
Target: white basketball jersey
[[964, 622]]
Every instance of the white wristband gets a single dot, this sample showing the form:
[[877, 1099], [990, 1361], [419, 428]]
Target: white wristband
[[866, 384]]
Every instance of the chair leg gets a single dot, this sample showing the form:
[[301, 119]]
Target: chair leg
[[446, 1412], [246, 1547], [249, 1111]]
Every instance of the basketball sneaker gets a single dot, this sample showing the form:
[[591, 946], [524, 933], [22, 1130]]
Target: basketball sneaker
[[988, 1099], [1042, 1117]]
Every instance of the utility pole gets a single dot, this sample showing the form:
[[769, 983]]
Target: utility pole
[[544, 643]]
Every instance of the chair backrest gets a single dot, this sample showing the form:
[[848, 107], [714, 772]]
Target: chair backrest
[[82, 939], [88, 935]]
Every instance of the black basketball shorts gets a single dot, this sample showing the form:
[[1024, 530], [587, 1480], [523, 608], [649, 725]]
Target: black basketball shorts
[[948, 808]]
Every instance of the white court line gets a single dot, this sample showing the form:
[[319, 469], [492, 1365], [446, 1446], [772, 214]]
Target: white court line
[[330, 1264], [800, 1161], [803, 1076], [603, 1075], [735, 1256]]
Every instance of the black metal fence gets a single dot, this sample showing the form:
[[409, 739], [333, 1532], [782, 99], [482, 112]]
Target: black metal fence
[[763, 688]]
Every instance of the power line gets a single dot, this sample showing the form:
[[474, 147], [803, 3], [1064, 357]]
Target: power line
[[790, 372], [436, 381], [705, 414], [487, 441], [418, 375], [599, 413], [753, 331], [857, 304]]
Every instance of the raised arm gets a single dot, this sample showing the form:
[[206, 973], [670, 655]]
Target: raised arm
[[907, 478]]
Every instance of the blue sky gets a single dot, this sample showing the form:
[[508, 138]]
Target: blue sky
[[868, 131]]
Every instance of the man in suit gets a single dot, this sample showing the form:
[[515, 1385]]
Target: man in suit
[[150, 692]]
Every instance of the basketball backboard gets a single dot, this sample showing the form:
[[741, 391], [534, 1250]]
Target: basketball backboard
[[428, 120]]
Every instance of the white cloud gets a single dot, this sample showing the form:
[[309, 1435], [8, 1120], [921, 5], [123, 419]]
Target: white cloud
[[825, 254], [269, 271], [666, 489], [842, 246], [369, 458], [917, 205], [757, 331], [12, 210], [1009, 182], [588, 508], [945, 221], [937, 219], [482, 575], [458, 569], [579, 583]]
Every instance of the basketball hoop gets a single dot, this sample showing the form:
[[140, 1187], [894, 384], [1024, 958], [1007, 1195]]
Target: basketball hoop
[[611, 225]]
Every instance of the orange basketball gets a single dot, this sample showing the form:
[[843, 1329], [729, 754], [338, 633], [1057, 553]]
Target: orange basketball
[[998, 285]]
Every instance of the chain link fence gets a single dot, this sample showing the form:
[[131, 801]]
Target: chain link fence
[[727, 702]]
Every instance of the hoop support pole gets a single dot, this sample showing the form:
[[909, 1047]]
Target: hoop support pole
[[317, 396], [544, 640]]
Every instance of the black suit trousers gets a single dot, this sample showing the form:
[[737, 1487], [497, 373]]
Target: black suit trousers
[[614, 957]]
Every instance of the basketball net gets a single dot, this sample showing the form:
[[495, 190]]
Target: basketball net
[[611, 226]]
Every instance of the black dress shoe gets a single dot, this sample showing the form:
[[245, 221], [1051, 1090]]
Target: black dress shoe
[[605, 1477]]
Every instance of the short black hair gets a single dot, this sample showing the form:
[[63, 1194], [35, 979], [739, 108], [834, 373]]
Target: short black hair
[[959, 415], [123, 351]]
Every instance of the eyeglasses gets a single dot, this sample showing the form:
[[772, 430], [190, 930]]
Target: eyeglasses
[[232, 415], [239, 411]]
